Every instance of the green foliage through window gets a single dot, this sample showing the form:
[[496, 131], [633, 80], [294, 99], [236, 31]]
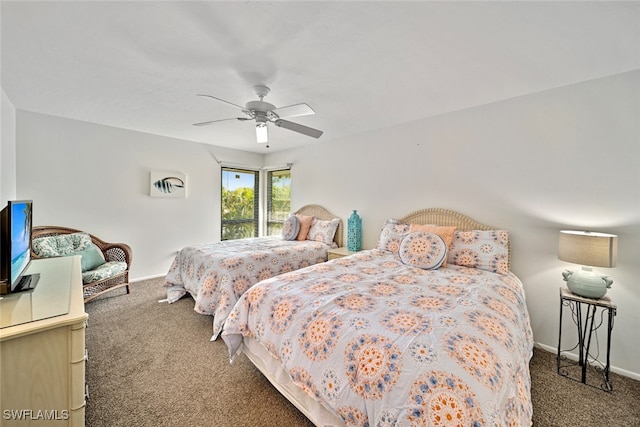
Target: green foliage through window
[[239, 203], [278, 200]]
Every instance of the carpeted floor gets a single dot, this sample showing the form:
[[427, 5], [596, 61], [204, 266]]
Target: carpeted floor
[[152, 364]]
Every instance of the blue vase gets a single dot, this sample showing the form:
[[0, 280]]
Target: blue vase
[[354, 232]]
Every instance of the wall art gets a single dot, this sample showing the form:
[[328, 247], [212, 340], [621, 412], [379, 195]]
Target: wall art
[[168, 184]]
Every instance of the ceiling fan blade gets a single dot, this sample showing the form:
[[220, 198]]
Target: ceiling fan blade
[[220, 120], [294, 110], [315, 133], [222, 100]]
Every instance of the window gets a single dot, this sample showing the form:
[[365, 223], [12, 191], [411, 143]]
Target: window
[[278, 200], [240, 203]]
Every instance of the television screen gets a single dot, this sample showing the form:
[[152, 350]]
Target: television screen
[[20, 247], [15, 253]]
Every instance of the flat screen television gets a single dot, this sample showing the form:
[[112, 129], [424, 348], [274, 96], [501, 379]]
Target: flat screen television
[[15, 252]]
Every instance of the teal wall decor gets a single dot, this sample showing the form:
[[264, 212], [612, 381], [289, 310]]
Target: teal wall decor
[[354, 232]]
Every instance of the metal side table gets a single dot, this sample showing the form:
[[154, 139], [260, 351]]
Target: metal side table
[[584, 315]]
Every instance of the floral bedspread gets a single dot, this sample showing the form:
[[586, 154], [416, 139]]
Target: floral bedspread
[[380, 343], [217, 274]]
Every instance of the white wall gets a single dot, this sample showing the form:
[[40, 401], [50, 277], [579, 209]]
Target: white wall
[[7, 151], [564, 158], [96, 178]]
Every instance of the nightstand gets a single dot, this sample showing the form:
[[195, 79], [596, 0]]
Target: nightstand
[[339, 253], [584, 313]]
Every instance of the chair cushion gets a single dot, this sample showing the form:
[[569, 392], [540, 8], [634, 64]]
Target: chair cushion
[[92, 258], [106, 270], [60, 245]]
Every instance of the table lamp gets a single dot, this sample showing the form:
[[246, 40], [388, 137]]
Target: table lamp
[[590, 249]]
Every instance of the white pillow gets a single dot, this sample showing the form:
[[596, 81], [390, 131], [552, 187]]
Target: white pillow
[[424, 250], [391, 235], [323, 230], [486, 250]]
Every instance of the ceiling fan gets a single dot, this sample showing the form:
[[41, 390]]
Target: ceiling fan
[[263, 112]]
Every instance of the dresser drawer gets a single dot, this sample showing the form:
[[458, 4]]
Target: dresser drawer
[[43, 362]]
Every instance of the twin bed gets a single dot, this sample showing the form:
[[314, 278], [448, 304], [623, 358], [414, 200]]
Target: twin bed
[[217, 274], [376, 338]]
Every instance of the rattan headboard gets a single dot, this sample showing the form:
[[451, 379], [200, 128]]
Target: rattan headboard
[[321, 213], [448, 218]]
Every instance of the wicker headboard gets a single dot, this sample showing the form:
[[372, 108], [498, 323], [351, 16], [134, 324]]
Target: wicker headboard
[[448, 218], [321, 213]]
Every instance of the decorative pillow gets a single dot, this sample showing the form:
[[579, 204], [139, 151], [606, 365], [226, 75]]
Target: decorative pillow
[[60, 245], [391, 235], [486, 250], [423, 250], [323, 230], [92, 258], [290, 228], [305, 225], [445, 232]]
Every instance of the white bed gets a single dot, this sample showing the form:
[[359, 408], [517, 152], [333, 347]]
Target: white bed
[[370, 339], [217, 274]]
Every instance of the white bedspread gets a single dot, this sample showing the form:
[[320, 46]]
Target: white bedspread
[[377, 342], [217, 274]]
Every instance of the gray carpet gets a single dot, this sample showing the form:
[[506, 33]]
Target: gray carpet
[[152, 364]]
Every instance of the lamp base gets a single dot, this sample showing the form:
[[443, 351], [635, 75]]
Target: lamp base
[[586, 283]]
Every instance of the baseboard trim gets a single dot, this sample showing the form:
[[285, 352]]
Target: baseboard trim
[[619, 371], [140, 279]]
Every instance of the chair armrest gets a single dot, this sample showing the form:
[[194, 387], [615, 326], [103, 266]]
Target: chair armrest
[[117, 252]]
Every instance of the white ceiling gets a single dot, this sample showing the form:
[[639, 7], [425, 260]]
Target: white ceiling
[[361, 65]]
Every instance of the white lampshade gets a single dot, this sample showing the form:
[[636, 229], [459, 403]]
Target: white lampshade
[[588, 248]]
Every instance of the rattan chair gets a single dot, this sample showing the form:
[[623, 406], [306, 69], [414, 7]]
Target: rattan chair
[[111, 251]]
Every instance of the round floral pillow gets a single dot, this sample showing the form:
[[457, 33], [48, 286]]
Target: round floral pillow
[[290, 228], [423, 250]]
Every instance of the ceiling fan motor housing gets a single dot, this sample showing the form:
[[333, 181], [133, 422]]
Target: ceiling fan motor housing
[[259, 106], [261, 117]]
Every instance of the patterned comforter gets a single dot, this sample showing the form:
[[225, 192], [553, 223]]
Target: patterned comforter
[[217, 274], [380, 343]]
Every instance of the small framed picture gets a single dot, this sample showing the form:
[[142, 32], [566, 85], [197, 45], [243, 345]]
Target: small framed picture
[[167, 184]]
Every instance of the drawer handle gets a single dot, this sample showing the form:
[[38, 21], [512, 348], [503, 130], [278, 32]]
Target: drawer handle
[[86, 391], [84, 405], [86, 354]]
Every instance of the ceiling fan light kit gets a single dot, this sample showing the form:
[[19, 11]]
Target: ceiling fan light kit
[[262, 131], [263, 113]]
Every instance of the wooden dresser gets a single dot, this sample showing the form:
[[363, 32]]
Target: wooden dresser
[[42, 350]]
